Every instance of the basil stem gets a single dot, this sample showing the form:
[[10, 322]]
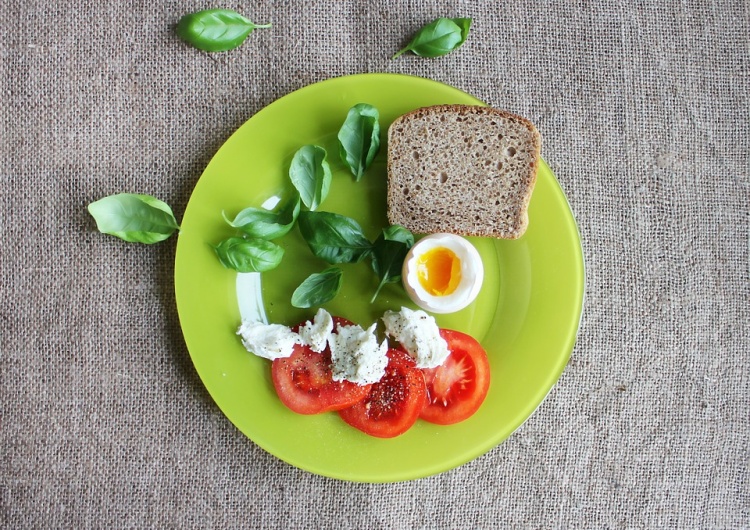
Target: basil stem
[[216, 30], [249, 255], [318, 288], [388, 254], [265, 224], [439, 37], [134, 217], [311, 175], [359, 138], [334, 238]]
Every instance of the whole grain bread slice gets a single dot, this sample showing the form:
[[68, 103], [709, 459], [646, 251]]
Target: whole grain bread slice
[[463, 169]]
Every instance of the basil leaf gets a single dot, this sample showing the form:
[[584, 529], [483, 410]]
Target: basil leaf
[[249, 255], [134, 217], [265, 224], [359, 138], [318, 288], [311, 175], [465, 25], [388, 254], [439, 37], [216, 30], [333, 237]]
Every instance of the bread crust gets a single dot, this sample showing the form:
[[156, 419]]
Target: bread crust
[[465, 169]]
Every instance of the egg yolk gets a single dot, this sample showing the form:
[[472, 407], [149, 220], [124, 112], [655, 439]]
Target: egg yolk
[[439, 271]]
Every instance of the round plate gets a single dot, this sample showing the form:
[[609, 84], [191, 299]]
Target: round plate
[[526, 316]]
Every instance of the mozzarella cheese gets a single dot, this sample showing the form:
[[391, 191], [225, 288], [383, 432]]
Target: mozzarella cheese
[[315, 333], [419, 334], [356, 355], [270, 341]]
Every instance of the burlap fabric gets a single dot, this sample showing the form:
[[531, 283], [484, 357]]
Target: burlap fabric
[[643, 108]]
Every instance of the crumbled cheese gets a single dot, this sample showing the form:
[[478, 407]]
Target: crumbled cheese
[[315, 332], [419, 334], [271, 341], [356, 355]]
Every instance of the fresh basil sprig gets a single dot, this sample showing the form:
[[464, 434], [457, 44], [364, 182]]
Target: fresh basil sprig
[[439, 37], [388, 253], [216, 30], [333, 237], [265, 224], [311, 175], [134, 217], [359, 138], [249, 255], [318, 288]]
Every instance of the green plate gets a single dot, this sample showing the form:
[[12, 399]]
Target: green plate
[[526, 316]]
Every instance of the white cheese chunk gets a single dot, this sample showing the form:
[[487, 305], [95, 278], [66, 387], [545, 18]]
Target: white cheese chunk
[[315, 332], [271, 341], [419, 334], [356, 355]]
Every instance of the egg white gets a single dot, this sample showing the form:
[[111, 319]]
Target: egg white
[[472, 274]]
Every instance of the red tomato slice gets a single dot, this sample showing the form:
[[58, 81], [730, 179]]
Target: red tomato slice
[[394, 403], [304, 382], [457, 388]]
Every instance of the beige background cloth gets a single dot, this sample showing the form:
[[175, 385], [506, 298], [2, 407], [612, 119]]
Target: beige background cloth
[[643, 107]]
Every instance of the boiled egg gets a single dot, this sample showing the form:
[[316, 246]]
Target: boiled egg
[[442, 273]]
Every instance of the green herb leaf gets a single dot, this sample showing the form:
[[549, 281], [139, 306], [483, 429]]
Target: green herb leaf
[[311, 175], [266, 224], [134, 217], [388, 254], [216, 30], [359, 138], [318, 288], [439, 37], [334, 238], [249, 255]]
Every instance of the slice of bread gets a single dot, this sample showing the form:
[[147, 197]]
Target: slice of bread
[[463, 169]]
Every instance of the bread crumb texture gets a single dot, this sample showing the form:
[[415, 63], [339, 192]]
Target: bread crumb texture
[[463, 169]]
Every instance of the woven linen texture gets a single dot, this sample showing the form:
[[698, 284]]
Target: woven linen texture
[[643, 109]]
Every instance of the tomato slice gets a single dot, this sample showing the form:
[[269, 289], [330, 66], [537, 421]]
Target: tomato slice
[[394, 403], [304, 381], [457, 388]]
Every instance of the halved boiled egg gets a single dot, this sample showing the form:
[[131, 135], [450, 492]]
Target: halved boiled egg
[[442, 273]]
